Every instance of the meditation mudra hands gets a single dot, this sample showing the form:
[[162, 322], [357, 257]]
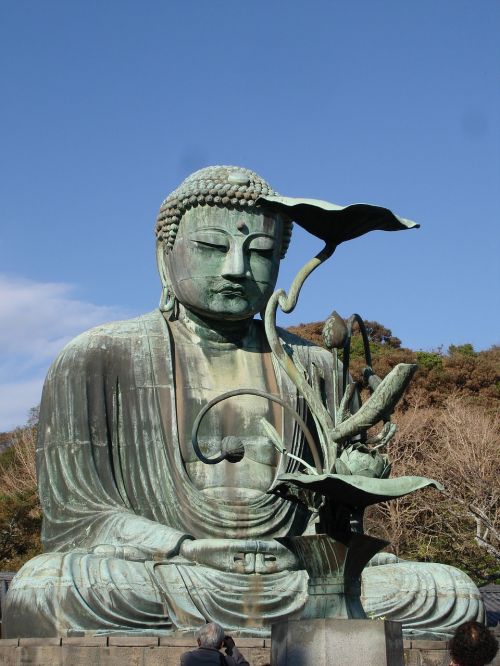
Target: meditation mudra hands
[[246, 556]]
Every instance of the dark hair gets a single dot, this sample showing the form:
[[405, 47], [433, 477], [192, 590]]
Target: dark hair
[[473, 645]]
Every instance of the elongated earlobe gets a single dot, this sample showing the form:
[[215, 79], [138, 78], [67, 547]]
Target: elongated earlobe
[[168, 300]]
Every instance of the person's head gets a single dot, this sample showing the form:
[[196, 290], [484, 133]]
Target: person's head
[[473, 644], [218, 252], [210, 635]]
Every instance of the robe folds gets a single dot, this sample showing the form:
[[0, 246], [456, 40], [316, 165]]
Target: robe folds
[[117, 504]]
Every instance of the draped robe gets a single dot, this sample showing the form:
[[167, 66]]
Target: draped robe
[[111, 475], [118, 503]]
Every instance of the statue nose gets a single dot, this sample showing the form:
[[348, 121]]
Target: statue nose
[[234, 264]]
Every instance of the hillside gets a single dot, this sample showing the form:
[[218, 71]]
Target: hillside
[[461, 370]]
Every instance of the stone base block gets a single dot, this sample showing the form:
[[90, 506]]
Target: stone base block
[[322, 642], [114, 651], [166, 651]]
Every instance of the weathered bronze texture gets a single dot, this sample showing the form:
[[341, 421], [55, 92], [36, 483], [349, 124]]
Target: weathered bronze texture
[[141, 535], [334, 573]]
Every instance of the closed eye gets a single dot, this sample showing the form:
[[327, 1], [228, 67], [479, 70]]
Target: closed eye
[[215, 246], [263, 245], [262, 253], [213, 239]]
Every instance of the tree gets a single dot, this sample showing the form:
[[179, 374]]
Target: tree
[[463, 350], [457, 444], [20, 512]]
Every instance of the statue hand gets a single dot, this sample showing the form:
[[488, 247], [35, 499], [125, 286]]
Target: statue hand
[[262, 556]]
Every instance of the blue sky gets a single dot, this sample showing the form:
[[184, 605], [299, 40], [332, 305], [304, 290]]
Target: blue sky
[[107, 106]]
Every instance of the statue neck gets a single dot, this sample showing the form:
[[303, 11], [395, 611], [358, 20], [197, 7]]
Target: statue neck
[[215, 330]]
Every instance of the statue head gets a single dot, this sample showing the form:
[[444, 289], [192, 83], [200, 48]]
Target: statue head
[[218, 251]]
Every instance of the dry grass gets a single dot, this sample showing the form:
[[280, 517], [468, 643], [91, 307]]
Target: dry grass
[[459, 445], [20, 513], [18, 472]]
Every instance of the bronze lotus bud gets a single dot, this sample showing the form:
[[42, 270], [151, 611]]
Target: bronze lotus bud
[[334, 332]]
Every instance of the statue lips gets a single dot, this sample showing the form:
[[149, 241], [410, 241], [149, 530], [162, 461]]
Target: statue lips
[[230, 289]]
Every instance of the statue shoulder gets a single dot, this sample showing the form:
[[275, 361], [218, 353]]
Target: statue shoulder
[[107, 340], [299, 344]]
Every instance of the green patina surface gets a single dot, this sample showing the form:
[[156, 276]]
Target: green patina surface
[[141, 534]]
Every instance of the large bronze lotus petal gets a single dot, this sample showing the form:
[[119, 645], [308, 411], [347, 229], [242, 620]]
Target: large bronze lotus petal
[[354, 491], [336, 224]]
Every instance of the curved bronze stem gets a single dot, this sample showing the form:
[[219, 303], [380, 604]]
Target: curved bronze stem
[[347, 346], [287, 303], [261, 394]]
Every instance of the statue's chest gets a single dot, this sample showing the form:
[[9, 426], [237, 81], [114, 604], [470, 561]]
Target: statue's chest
[[205, 372]]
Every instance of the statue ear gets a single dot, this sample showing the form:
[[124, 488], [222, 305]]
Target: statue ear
[[167, 299], [160, 262]]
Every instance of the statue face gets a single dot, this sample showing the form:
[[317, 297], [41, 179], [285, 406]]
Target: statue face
[[224, 263]]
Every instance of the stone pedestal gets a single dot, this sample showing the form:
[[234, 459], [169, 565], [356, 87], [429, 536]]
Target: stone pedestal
[[165, 651], [322, 642], [115, 651]]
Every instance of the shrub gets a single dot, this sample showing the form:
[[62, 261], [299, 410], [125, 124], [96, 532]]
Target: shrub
[[429, 360]]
